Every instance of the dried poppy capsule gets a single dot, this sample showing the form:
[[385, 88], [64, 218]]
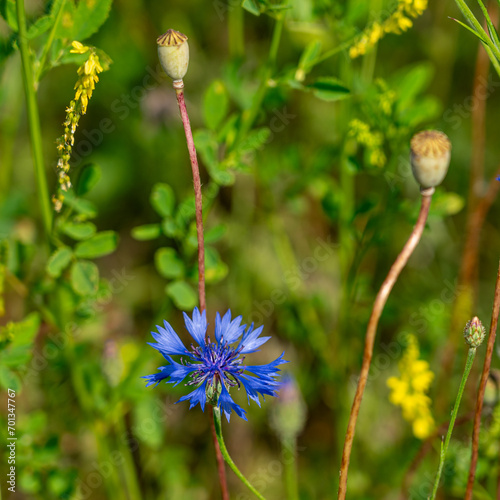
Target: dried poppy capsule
[[173, 52], [430, 153]]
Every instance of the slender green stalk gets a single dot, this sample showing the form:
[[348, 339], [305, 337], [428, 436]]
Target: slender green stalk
[[444, 447], [291, 476], [236, 31], [48, 43], [250, 115], [227, 457], [34, 121]]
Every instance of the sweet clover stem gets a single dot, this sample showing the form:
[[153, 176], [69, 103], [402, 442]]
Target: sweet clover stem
[[34, 121]]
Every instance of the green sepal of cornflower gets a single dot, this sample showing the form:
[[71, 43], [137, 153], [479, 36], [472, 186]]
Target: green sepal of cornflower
[[474, 332]]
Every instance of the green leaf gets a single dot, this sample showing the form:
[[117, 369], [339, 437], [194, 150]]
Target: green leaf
[[146, 232], [169, 264], [182, 294], [58, 261], [251, 6], [40, 26], [410, 82], [23, 332], [85, 208], [215, 269], [215, 104], [89, 177], [163, 199], [82, 20], [446, 204], [9, 380], [79, 230], [329, 88], [8, 12], [84, 278], [309, 56], [101, 244], [207, 146], [215, 233]]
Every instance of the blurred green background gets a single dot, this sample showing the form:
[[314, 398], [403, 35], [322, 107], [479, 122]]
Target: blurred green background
[[302, 228]]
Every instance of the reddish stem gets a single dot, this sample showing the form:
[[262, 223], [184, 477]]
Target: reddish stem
[[482, 388], [179, 90], [371, 331]]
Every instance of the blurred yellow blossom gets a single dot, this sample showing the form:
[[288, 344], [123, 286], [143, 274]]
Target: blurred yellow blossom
[[371, 140], [410, 390], [87, 78], [400, 20]]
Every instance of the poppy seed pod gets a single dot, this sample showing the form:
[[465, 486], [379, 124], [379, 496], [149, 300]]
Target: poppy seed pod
[[430, 153], [173, 52]]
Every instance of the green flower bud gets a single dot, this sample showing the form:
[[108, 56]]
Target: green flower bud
[[430, 153], [474, 332], [173, 52]]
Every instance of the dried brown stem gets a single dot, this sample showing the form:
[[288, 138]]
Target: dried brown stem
[[482, 388], [371, 331], [179, 90]]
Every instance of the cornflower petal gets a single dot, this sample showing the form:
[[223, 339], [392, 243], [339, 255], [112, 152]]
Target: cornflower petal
[[197, 396], [168, 341], [250, 340], [197, 327], [230, 330], [227, 404]]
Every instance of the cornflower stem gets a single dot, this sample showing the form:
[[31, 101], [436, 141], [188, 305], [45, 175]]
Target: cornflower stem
[[179, 90], [371, 331], [482, 388], [34, 121], [444, 446], [227, 457], [291, 483]]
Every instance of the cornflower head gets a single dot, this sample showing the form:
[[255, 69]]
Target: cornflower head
[[409, 391], [398, 22], [85, 85], [215, 367]]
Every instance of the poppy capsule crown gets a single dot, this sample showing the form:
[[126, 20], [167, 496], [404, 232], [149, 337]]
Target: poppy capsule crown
[[173, 52], [430, 156]]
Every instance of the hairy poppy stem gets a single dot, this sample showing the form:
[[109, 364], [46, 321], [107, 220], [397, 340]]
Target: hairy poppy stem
[[371, 331], [179, 90]]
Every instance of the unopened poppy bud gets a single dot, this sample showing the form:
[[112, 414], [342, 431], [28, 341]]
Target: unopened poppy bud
[[173, 52], [430, 153], [474, 332]]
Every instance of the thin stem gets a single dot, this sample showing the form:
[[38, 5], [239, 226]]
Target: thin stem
[[48, 44], [249, 116], [444, 447], [34, 121], [482, 388], [179, 90], [371, 331], [197, 193], [291, 476], [227, 457], [236, 31]]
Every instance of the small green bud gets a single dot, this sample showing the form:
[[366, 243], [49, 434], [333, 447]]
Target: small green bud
[[474, 332], [213, 391], [173, 52], [430, 153]]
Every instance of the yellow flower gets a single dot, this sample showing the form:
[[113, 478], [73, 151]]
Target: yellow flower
[[409, 391], [84, 86], [398, 22]]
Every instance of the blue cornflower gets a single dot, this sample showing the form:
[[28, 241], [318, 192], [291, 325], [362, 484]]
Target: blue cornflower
[[214, 367]]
